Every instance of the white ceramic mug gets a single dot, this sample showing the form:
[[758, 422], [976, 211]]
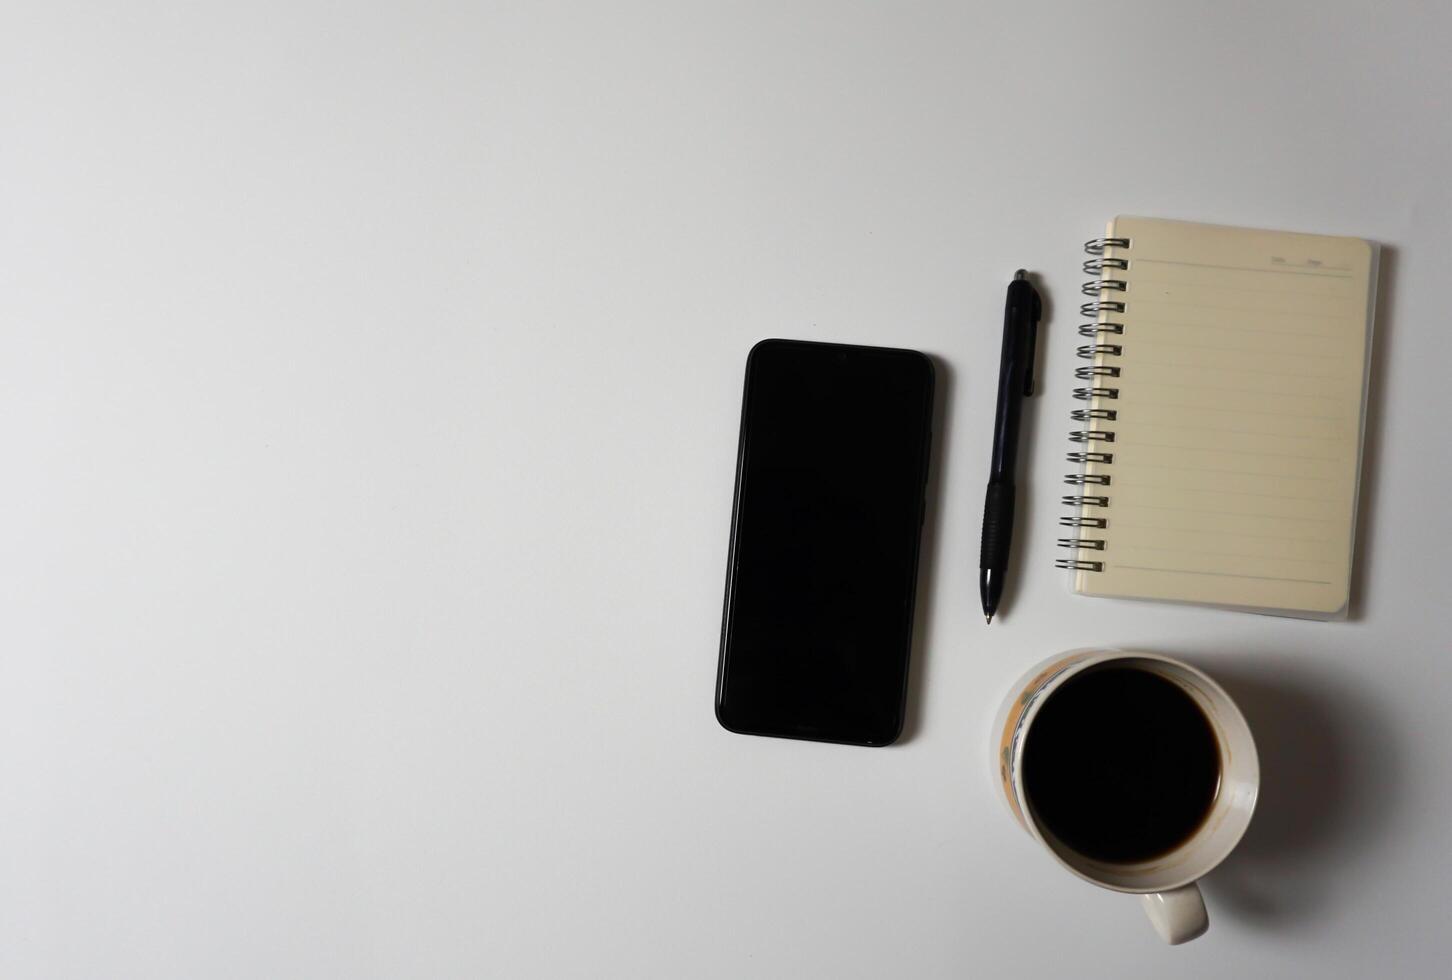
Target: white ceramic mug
[[1165, 884]]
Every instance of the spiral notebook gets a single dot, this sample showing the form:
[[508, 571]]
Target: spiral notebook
[[1219, 443]]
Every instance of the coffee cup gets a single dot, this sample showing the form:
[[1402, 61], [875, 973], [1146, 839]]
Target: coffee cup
[[1135, 771]]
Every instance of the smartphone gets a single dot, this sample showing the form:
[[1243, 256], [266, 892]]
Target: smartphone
[[831, 473]]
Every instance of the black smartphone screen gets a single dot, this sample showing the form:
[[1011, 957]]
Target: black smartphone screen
[[831, 472]]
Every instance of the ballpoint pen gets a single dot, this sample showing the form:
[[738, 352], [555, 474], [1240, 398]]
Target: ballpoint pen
[[1015, 383]]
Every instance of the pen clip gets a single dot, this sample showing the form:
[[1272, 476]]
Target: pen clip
[[1030, 345]]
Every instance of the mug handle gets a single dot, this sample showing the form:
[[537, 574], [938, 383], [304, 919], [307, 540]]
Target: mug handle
[[1178, 915]]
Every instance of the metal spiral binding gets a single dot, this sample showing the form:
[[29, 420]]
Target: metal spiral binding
[[1103, 334], [1093, 267]]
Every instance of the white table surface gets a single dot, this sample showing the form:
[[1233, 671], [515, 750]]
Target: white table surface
[[369, 386]]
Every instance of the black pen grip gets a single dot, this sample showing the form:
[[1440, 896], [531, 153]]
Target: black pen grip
[[997, 526]]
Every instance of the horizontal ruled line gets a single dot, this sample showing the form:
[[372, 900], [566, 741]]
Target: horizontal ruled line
[[1331, 273], [1319, 292], [1196, 571], [1225, 554], [1242, 350], [1231, 309], [1308, 334], [1234, 493], [1238, 370], [1147, 382], [1238, 432], [1198, 448], [1229, 513], [1240, 411], [1219, 534], [1215, 469]]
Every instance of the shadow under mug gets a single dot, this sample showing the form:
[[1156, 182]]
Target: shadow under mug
[[1165, 883]]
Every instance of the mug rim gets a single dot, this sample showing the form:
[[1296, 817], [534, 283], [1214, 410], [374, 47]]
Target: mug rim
[[1103, 655]]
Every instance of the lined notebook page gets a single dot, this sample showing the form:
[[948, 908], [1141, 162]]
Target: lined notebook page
[[1237, 441]]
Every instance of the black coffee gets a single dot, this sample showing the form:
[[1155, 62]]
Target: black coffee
[[1121, 764]]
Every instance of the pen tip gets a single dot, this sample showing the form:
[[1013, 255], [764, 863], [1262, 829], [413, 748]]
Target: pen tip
[[1020, 274], [988, 617]]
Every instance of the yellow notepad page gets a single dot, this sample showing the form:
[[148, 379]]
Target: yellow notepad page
[[1237, 409]]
